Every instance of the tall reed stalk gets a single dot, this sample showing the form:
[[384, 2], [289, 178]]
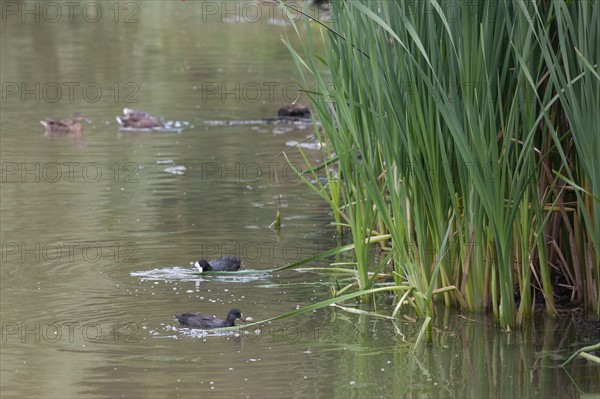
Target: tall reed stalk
[[451, 122]]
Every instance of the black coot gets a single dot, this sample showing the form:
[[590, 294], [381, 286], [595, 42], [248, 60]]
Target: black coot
[[201, 321], [224, 264]]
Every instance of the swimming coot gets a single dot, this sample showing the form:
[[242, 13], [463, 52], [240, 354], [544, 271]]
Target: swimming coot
[[224, 264], [201, 321]]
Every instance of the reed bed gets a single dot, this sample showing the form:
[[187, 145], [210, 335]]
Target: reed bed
[[462, 139]]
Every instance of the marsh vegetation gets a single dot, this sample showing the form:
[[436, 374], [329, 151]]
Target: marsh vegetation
[[459, 141]]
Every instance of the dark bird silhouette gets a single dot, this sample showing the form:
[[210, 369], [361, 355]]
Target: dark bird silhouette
[[224, 264], [294, 111], [205, 322]]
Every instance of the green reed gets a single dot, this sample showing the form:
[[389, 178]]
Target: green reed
[[451, 133]]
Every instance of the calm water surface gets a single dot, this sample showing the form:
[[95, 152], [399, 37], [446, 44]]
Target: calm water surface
[[98, 232]]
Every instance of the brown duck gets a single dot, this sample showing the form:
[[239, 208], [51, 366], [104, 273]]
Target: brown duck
[[56, 126], [133, 119]]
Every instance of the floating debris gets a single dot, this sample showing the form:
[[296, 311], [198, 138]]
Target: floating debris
[[176, 170], [309, 146], [282, 130]]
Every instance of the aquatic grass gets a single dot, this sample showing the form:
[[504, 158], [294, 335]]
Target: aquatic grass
[[448, 135], [423, 216], [577, 83], [424, 331]]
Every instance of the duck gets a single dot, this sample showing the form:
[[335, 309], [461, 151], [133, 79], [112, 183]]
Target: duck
[[206, 322], [65, 125], [294, 111], [224, 264], [134, 119]]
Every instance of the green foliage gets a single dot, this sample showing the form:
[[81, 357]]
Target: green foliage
[[451, 123]]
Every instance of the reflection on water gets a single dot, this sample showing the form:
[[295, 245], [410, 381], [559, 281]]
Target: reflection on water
[[96, 226]]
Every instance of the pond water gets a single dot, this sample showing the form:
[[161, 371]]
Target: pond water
[[98, 229]]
